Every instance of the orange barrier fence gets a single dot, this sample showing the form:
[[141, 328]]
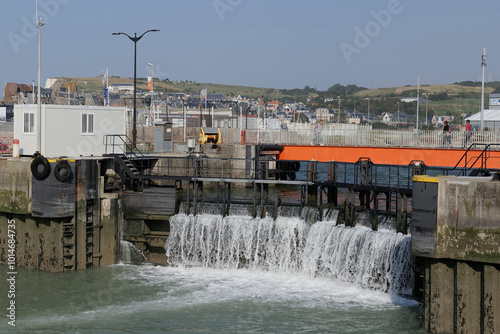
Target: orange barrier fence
[[386, 155]]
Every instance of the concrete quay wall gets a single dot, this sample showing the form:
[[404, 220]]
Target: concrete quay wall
[[468, 219], [456, 235], [59, 226], [461, 297]]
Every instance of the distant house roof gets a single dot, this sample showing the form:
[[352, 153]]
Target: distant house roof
[[489, 115], [400, 114], [215, 97], [12, 89]]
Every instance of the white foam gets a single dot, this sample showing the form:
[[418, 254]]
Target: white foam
[[372, 260], [147, 288]]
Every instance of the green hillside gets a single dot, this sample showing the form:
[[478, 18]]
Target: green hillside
[[451, 99], [94, 85]]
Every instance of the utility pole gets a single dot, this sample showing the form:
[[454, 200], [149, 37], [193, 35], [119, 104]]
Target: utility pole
[[40, 24], [418, 97], [426, 105], [368, 118], [483, 65], [338, 97], [399, 119]]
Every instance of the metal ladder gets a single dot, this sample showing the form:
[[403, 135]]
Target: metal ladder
[[89, 234], [69, 257]]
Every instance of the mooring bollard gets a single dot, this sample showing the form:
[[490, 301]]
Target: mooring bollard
[[15, 148]]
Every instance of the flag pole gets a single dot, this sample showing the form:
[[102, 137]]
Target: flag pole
[[107, 87]]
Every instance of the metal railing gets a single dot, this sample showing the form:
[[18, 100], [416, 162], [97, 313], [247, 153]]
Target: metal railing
[[199, 166], [352, 137], [475, 161], [120, 144]]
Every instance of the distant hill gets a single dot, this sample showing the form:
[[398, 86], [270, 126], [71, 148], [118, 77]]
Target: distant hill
[[404, 91], [95, 85], [460, 98], [463, 89]]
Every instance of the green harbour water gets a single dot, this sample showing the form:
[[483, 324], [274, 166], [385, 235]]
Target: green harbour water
[[153, 299], [300, 278]]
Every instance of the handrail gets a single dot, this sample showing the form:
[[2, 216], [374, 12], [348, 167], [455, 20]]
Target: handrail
[[481, 156], [380, 177], [123, 140], [345, 135]]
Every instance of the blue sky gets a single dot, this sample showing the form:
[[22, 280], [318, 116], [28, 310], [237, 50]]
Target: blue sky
[[266, 43]]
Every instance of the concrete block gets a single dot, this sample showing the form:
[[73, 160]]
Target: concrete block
[[49, 252], [468, 228], [439, 296], [468, 298], [491, 299], [15, 185], [109, 231]]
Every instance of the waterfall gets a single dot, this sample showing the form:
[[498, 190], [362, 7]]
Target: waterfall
[[130, 254], [237, 242], [374, 260], [127, 251]]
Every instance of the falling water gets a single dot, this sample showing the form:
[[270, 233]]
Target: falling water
[[374, 260], [130, 254], [237, 242]]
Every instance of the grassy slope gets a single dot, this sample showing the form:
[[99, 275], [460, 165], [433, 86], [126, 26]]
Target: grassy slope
[[454, 105], [431, 89], [94, 85]]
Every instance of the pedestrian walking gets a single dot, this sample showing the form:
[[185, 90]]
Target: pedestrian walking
[[446, 135], [318, 137], [468, 133]]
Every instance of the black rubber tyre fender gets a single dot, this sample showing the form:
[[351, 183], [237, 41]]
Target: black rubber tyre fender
[[295, 166], [35, 168], [62, 171], [292, 176]]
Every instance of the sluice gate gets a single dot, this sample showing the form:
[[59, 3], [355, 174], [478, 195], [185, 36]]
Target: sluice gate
[[348, 187]]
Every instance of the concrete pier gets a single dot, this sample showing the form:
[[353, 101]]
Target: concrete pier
[[456, 233], [59, 225]]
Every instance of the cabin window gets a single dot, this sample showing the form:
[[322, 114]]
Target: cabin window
[[88, 124], [29, 122]]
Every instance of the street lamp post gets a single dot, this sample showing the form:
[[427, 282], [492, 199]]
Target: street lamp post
[[426, 107], [368, 119], [398, 115], [135, 39], [483, 65], [40, 24], [418, 97], [338, 97]]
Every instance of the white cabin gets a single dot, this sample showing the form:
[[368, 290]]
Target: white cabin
[[67, 131]]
